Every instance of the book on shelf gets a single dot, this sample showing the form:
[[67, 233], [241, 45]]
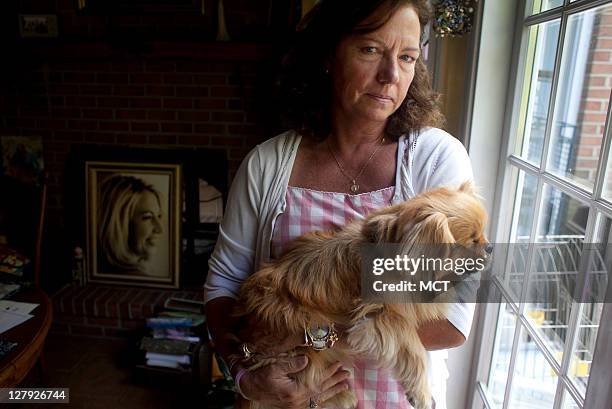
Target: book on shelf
[[180, 359], [184, 334], [183, 304], [164, 364], [169, 322], [196, 319], [166, 346]]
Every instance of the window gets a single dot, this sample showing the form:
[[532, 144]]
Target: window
[[555, 209]]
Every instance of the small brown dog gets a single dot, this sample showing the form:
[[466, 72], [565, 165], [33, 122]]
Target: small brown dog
[[316, 282]]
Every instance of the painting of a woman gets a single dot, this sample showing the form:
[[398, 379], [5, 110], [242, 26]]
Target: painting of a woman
[[130, 223], [133, 225]]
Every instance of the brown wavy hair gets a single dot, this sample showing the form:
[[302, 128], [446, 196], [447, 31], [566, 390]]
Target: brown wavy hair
[[306, 88]]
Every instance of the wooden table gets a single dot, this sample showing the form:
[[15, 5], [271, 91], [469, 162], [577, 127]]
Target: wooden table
[[30, 336]]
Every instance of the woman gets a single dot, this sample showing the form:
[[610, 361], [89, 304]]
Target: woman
[[130, 223], [364, 117]]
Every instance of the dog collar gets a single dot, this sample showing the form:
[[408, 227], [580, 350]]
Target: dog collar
[[320, 337]]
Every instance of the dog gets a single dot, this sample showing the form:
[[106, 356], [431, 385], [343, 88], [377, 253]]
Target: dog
[[316, 282]]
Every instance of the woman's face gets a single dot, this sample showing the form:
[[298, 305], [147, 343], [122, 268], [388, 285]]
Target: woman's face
[[372, 72], [145, 226]]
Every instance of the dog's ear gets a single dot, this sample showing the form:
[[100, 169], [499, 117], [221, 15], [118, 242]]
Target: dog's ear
[[427, 236], [468, 187], [381, 226], [433, 229]]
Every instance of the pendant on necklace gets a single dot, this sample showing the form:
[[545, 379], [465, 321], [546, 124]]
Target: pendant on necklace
[[354, 187]]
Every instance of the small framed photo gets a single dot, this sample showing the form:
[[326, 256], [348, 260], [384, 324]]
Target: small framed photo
[[133, 223], [37, 25]]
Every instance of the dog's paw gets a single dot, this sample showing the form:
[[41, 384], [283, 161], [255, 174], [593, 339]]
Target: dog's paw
[[342, 400]]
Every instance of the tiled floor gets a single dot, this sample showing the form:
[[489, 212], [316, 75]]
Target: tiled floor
[[101, 373]]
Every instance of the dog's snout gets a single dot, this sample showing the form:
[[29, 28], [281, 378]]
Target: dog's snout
[[489, 248]]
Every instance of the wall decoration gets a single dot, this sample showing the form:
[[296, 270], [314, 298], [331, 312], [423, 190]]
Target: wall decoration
[[453, 18], [190, 199], [133, 223], [22, 157], [37, 25]]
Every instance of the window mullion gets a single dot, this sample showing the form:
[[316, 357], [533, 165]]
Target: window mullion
[[518, 327], [553, 93], [515, 342], [567, 353], [537, 339], [532, 235], [543, 17], [575, 316], [483, 391]]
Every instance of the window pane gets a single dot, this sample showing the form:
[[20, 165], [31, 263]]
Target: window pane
[[582, 97], [522, 219], [607, 188], [569, 402], [534, 381], [599, 262], [554, 268], [502, 350], [535, 95], [538, 6]]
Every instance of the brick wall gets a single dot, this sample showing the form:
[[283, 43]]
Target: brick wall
[[142, 103], [139, 78], [594, 102]]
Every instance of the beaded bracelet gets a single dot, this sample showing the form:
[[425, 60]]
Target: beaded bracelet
[[239, 375], [232, 362]]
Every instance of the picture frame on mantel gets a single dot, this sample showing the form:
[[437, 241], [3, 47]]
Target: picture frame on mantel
[[133, 223]]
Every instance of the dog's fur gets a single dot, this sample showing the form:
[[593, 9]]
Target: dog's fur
[[317, 280]]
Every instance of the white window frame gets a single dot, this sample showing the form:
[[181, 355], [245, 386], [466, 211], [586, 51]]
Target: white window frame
[[599, 390]]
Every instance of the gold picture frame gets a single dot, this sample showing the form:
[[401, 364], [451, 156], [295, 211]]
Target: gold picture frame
[[133, 213]]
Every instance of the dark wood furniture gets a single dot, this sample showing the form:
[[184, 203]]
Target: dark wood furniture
[[30, 337]]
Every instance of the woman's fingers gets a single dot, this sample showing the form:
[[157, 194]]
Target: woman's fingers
[[339, 376], [331, 392], [293, 394], [332, 369]]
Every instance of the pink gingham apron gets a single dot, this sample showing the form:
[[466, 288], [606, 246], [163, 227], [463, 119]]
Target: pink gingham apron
[[307, 210]]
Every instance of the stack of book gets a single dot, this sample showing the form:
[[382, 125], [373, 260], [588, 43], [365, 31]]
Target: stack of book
[[173, 341]]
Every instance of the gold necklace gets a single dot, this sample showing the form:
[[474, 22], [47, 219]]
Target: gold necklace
[[354, 185]]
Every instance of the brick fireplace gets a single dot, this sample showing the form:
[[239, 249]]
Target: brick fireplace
[[105, 311]]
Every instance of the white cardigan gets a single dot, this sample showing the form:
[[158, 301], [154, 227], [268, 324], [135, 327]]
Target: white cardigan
[[426, 160]]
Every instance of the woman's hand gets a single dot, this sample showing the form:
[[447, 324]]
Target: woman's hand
[[274, 384]]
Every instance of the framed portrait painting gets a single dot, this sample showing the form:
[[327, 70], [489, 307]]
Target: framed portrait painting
[[133, 224]]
